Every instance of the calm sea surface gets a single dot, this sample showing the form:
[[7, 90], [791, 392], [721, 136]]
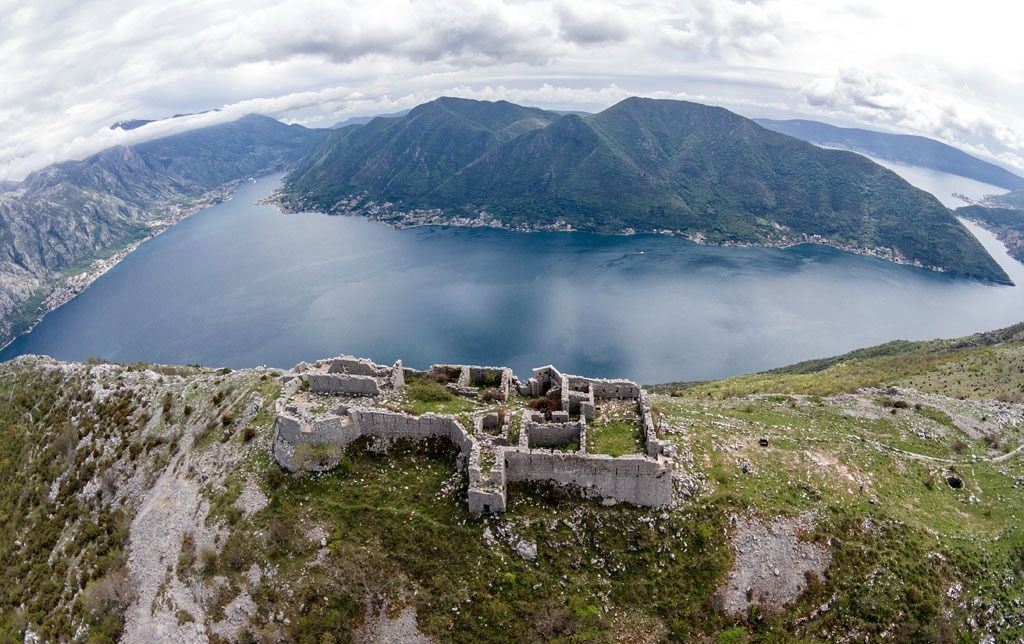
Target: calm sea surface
[[242, 285]]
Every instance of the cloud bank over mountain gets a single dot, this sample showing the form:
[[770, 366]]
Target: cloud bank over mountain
[[70, 69]]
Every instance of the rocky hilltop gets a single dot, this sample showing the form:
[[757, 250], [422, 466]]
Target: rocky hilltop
[[66, 220], [876, 495], [642, 165]]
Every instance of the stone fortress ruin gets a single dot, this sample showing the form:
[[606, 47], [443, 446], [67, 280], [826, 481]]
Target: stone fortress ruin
[[552, 427]]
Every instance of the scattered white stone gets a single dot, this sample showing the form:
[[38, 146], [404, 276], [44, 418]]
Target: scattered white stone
[[527, 550], [252, 499]]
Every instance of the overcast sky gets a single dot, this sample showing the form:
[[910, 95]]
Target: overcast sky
[[68, 69]]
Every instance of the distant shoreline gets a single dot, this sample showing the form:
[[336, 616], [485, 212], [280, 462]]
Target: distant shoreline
[[67, 288], [401, 220]]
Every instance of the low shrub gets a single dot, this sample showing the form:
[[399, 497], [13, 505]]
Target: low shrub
[[428, 391]]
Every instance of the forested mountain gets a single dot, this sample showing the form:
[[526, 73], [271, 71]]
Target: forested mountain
[[642, 164], [1006, 223]]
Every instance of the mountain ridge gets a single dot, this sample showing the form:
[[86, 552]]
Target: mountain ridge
[[901, 148], [64, 216]]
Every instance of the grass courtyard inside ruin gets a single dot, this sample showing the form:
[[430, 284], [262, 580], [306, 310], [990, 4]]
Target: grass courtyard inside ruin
[[615, 429]]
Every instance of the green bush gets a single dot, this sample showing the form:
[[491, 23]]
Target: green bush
[[428, 391], [187, 557], [209, 557]]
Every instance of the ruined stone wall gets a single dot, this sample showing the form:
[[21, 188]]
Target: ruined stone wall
[[397, 375], [295, 428], [486, 491], [641, 480], [501, 377], [581, 403], [543, 379], [449, 372], [553, 434], [393, 426], [653, 446], [355, 366], [602, 388], [334, 383], [633, 479]]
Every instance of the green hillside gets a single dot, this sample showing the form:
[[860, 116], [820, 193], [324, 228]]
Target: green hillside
[[1006, 223], [642, 164], [987, 365], [885, 483]]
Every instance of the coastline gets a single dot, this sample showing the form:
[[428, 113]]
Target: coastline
[[387, 213], [66, 288]]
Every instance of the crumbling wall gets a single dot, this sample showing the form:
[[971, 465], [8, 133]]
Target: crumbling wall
[[294, 428], [334, 383], [392, 426], [397, 375], [632, 479], [543, 379], [553, 434], [620, 389], [486, 491], [653, 446], [446, 373], [499, 378], [356, 366]]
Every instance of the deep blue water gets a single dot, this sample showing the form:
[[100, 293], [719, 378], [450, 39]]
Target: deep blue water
[[241, 285]]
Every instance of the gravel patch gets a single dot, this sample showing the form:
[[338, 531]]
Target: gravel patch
[[380, 628], [252, 499], [772, 564]]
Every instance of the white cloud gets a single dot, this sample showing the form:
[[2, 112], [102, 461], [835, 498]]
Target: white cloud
[[69, 68], [728, 29], [900, 104], [593, 24]]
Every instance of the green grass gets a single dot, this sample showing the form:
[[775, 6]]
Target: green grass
[[936, 415], [452, 407], [398, 529], [613, 438], [425, 395], [982, 366]]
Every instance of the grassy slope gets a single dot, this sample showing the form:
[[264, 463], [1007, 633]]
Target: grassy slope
[[912, 557], [983, 365], [74, 440]]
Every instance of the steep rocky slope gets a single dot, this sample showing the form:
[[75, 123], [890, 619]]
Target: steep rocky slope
[[61, 218], [879, 496]]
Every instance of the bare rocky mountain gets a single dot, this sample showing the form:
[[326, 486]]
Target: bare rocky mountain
[[64, 217]]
